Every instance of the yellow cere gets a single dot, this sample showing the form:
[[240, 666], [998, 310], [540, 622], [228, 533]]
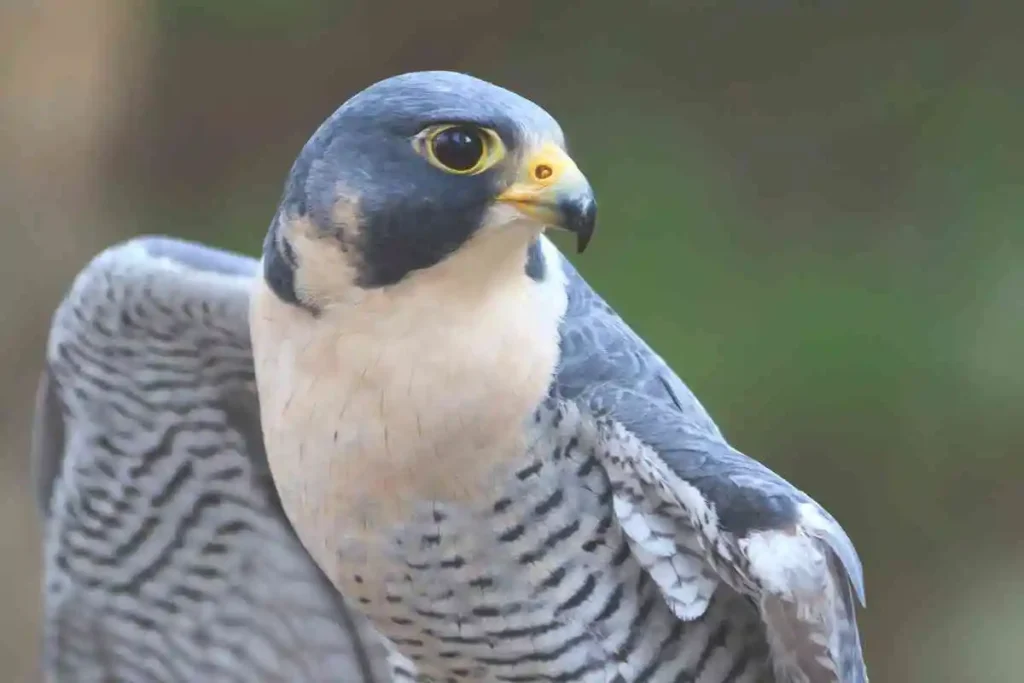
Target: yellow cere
[[542, 172]]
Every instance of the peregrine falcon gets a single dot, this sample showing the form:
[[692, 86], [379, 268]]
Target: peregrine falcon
[[479, 471], [479, 452]]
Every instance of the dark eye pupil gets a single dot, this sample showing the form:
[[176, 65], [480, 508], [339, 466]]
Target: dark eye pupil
[[458, 148]]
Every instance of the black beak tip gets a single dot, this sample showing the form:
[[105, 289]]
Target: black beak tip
[[583, 218], [581, 243]]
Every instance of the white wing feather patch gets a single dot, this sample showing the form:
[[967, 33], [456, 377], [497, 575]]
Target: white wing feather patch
[[663, 540], [798, 576]]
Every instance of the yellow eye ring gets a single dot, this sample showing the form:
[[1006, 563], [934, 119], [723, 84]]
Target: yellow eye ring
[[460, 148]]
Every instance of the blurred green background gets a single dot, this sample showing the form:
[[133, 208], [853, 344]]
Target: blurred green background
[[812, 209]]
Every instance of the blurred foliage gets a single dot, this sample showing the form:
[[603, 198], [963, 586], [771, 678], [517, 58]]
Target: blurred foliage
[[244, 16], [810, 209]]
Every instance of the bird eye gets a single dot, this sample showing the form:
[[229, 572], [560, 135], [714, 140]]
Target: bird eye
[[458, 148], [461, 149]]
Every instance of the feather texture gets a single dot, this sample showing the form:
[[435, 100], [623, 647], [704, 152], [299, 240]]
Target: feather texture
[[605, 531], [629, 542], [167, 556], [701, 515]]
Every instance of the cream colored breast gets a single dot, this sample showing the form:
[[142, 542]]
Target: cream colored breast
[[402, 397]]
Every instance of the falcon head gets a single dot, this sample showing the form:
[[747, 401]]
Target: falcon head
[[420, 170]]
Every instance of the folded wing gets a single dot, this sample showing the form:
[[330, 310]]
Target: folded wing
[[699, 515]]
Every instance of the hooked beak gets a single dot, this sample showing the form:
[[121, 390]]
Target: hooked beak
[[552, 190]]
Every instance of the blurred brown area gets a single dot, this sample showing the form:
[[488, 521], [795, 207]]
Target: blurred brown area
[[811, 209]]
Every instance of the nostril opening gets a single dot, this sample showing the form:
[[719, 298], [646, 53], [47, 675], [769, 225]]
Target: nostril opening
[[542, 172]]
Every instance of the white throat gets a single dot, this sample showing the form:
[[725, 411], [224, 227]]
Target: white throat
[[404, 395]]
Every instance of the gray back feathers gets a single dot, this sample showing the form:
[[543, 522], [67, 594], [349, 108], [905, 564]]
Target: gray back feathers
[[167, 556]]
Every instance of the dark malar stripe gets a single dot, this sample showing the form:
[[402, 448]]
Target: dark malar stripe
[[536, 268]]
